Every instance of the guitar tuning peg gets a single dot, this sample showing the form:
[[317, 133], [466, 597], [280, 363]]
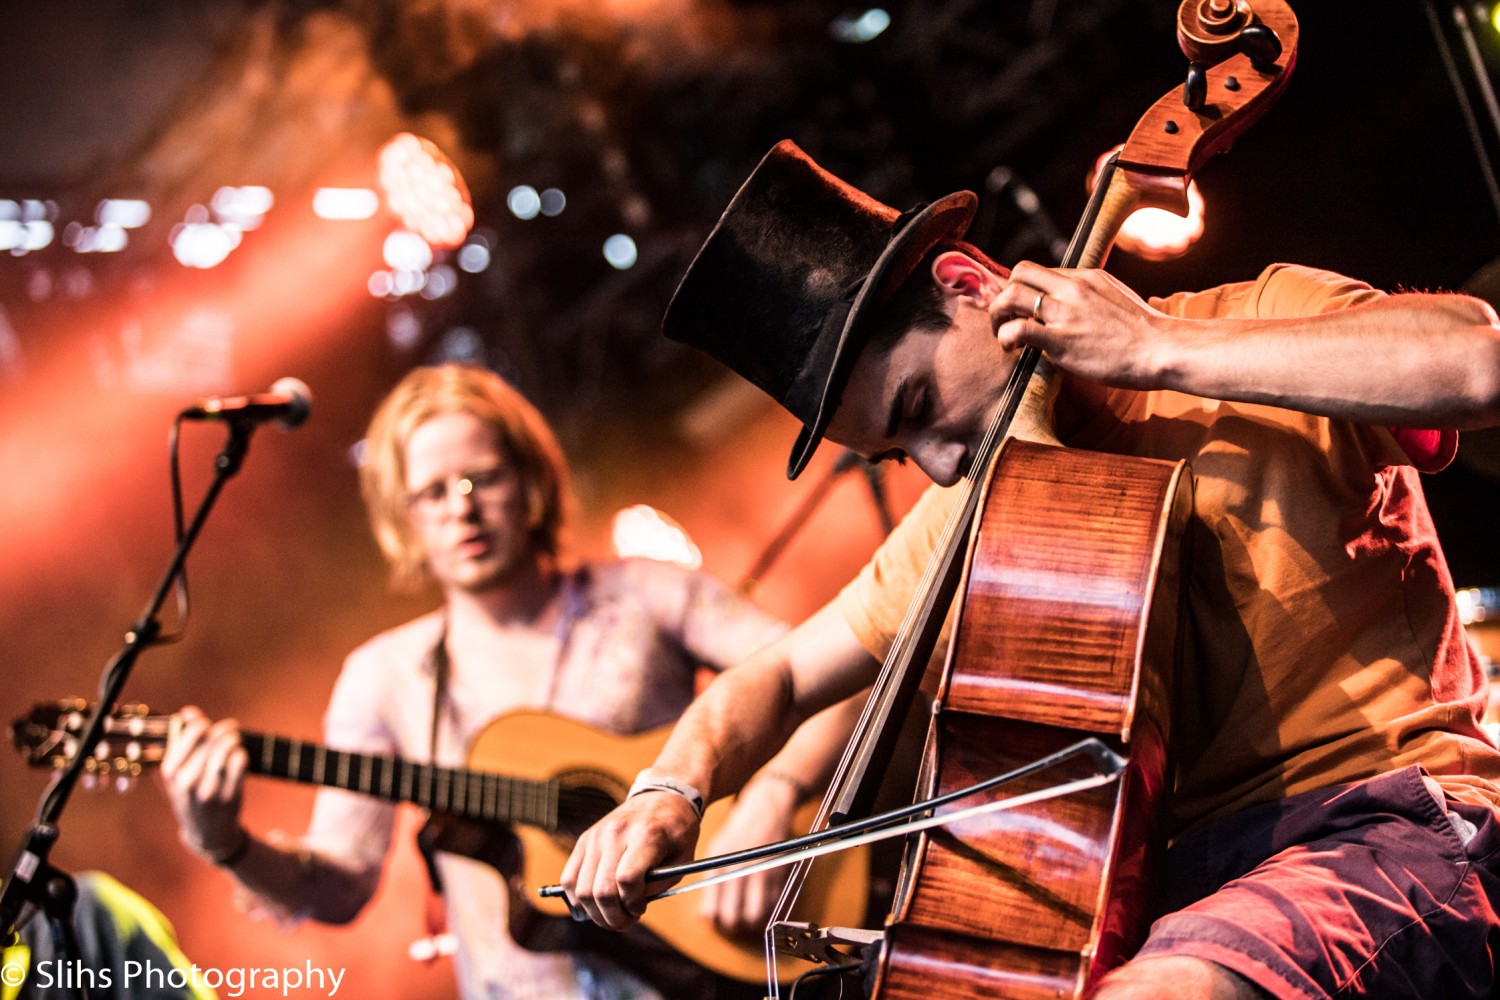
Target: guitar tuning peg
[[124, 782]]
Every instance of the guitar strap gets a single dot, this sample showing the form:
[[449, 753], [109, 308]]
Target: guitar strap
[[438, 658]]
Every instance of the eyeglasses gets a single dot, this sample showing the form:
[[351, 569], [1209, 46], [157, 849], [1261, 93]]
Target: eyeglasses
[[479, 484]]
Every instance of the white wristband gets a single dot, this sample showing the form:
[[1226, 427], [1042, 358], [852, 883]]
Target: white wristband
[[652, 780]]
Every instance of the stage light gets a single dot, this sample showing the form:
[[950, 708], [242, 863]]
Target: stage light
[[402, 328], [646, 532], [203, 244], [408, 281], [407, 251], [381, 285], [242, 207], [461, 344], [127, 213], [441, 281], [523, 201], [1154, 233], [345, 203], [474, 257], [36, 210], [620, 251], [108, 238], [857, 28], [423, 187]]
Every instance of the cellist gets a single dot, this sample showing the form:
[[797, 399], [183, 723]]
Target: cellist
[[1333, 819]]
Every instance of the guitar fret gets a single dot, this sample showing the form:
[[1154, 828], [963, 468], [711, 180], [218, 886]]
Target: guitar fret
[[294, 759], [365, 763], [390, 773], [320, 762], [462, 789], [343, 768], [268, 753], [425, 771]]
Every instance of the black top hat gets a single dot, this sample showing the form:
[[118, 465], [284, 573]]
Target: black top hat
[[780, 290]]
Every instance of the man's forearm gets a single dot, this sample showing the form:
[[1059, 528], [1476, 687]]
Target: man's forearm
[[1408, 360], [748, 712]]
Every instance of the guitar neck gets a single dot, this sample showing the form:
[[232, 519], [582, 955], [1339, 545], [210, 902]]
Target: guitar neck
[[467, 794]]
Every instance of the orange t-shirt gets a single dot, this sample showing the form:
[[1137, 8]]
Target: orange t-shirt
[[1321, 640]]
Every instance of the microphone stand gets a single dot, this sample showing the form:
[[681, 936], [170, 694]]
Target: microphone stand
[[33, 878]]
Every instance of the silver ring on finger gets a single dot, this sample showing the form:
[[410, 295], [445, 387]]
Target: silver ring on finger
[[1036, 308]]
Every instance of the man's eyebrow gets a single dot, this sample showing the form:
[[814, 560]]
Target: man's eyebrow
[[898, 407]]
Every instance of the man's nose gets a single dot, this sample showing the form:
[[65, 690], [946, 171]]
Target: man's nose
[[458, 499], [941, 460]]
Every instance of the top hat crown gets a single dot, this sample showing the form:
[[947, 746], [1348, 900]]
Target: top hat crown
[[781, 288]]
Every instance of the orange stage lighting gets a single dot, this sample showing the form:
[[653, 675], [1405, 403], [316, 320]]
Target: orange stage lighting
[[425, 190], [646, 531]]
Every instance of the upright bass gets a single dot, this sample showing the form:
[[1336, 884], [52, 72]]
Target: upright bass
[[1064, 564]]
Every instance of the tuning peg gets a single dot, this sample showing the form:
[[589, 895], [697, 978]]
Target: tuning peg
[[124, 782], [1261, 44], [1195, 90]]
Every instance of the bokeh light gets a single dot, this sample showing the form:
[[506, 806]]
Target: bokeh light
[[423, 187], [646, 532]]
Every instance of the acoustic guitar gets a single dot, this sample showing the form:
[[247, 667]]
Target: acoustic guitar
[[549, 776]]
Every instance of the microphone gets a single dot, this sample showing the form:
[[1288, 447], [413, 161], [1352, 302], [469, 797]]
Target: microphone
[[289, 403], [1029, 204]]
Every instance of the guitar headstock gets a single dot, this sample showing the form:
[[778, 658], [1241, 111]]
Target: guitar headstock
[[49, 735]]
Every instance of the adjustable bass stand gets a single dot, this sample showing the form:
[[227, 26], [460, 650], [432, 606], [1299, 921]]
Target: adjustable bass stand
[[33, 880]]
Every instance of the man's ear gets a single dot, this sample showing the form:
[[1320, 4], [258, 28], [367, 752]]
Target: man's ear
[[959, 274]]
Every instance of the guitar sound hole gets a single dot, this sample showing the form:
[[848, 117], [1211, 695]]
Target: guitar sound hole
[[585, 797]]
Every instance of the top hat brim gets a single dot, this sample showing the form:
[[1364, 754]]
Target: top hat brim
[[946, 218]]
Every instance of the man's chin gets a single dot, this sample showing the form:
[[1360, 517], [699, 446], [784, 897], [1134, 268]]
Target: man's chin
[[480, 578]]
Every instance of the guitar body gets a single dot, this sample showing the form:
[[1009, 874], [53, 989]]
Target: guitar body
[[543, 747], [1066, 630], [535, 783]]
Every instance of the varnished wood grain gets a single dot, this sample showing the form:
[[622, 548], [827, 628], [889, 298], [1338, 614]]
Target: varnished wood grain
[[1065, 630]]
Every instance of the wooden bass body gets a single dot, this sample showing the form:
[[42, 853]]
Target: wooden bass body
[[1066, 629]]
